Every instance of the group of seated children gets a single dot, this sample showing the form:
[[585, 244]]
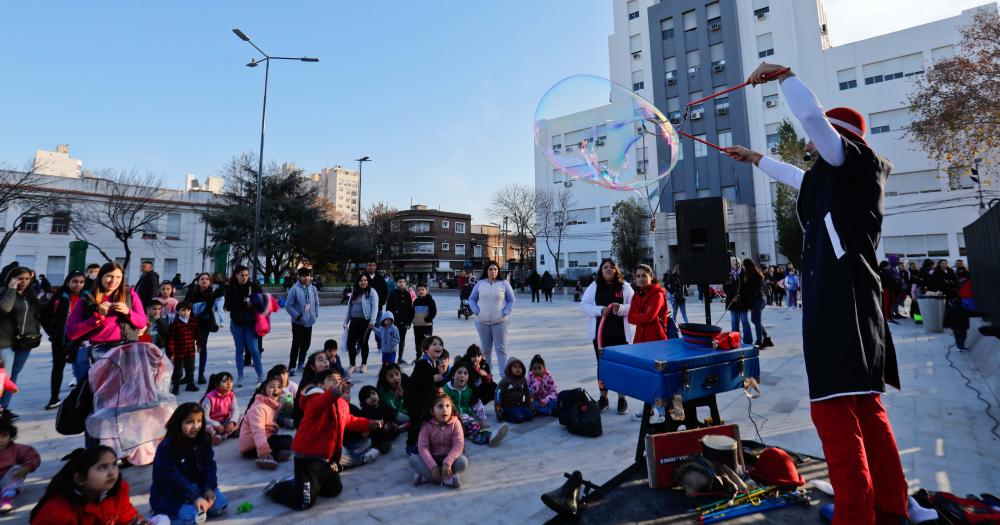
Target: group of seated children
[[438, 406]]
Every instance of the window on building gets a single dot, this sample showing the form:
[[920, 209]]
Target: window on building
[[693, 61], [961, 244], [459, 227], [582, 259], [673, 105], [635, 44], [670, 68], [713, 12], [149, 229], [445, 247], [772, 137], [761, 8], [637, 82], [933, 245], [581, 216], [60, 222], [633, 9], [942, 53], [690, 21], [169, 268], [765, 45], [893, 68], [960, 179], [886, 121], [460, 249], [420, 247], [912, 182], [721, 103], [717, 52], [3, 220], [605, 213], [700, 150], [667, 28], [726, 138], [445, 225], [477, 251], [847, 79], [28, 224], [173, 229], [55, 269]]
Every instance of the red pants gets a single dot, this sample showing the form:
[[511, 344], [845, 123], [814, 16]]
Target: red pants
[[865, 471]]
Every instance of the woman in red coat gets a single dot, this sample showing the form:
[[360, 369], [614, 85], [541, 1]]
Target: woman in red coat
[[649, 310]]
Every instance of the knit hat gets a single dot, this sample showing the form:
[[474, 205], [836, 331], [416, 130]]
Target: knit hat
[[848, 122]]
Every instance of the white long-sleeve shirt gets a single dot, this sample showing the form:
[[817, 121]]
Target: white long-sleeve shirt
[[807, 109]]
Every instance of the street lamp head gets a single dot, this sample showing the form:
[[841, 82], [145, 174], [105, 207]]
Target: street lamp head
[[241, 34], [309, 59], [252, 64], [366, 158]]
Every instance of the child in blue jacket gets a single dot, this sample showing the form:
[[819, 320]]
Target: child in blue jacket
[[184, 473], [387, 336]]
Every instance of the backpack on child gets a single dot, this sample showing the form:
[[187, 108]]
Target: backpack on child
[[579, 413]]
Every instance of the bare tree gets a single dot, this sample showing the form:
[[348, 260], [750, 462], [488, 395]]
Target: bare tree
[[23, 194], [129, 203], [516, 203], [384, 231], [553, 209]]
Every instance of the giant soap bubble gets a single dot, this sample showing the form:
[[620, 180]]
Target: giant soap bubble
[[594, 130]]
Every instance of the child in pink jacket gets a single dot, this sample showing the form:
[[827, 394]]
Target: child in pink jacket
[[258, 430], [440, 446], [543, 388]]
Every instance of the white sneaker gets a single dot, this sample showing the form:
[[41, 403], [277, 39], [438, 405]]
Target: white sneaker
[[364, 369], [350, 370], [372, 455], [300, 370], [501, 433]]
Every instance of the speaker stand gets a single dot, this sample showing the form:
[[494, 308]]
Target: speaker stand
[[708, 304]]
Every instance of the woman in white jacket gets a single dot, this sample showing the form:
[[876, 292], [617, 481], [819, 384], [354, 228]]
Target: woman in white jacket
[[492, 300], [608, 294], [361, 316]]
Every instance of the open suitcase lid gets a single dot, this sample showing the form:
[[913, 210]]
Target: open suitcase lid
[[672, 355]]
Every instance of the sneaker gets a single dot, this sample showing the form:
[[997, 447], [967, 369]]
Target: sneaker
[[191, 387], [364, 369], [350, 370], [72, 384], [656, 419], [291, 372], [216, 440], [267, 463], [6, 504], [401, 362], [53, 404], [420, 480], [603, 403], [270, 486], [622, 406], [454, 482], [201, 380], [175, 390], [501, 433], [371, 455]]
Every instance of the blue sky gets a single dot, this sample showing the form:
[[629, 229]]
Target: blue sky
[[440, 94]]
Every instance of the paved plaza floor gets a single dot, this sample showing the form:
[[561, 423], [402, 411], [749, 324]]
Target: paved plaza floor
[[942, 429]]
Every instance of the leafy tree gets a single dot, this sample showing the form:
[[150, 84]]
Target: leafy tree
[[791, 149], [628, 234], [553, 209], [290, 215], [956, 114]]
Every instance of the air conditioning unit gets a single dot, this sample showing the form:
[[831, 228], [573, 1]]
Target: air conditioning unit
[[675, 121], [569, 149], [715, 26], [761, 16], [567, 183], [671, 81], [640, 171], [600, 141], [771, 103], [718, 68], [697, 114], [639, 130], [721, 111], [774, 149], [765, 257]]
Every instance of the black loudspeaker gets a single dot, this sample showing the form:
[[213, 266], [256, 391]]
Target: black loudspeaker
[[565, 500], [702, 240]]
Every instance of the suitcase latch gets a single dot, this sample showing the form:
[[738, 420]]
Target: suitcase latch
[[659, 366], [710, 382], [739, 367], [686, 379]]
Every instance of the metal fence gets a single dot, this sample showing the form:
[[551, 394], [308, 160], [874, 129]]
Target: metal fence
[[982, 239]]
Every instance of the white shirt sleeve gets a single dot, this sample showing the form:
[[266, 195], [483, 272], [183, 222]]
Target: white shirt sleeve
[[809, 112], [782, 172]]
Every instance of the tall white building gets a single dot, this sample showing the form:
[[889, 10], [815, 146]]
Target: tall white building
[[341, 187], [674, 51], [57, 163]]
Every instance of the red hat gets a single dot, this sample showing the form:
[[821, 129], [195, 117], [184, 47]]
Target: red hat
[[849, 123], [775, 467]]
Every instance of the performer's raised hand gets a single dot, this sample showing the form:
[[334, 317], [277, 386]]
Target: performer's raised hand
[[743, 154], [767, 72]]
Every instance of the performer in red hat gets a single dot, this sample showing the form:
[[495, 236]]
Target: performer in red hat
[[848, 350]]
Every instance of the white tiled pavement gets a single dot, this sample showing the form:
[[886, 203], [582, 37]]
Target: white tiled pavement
[[941, 427]]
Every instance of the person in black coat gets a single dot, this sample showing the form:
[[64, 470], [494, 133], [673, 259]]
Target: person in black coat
[[534, 284], [148, 284], [752, 298], [244, 300], [401, 306], [53, 319], [547, 283], [849, 354], [377, 283], [945, 280]]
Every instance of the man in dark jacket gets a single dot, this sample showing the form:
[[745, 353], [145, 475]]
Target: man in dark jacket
[[424, 311], [401, 306], [849, 354], [148, 284]]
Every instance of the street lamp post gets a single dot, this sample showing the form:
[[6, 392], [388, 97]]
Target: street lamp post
[[260, 156], [361, 162]]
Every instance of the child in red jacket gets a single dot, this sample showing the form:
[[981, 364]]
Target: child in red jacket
[[87, 490], [181, 348], [318, 443], [16, 462]]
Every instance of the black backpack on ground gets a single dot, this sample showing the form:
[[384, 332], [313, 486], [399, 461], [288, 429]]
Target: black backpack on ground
[[579, 413], [72, 415]]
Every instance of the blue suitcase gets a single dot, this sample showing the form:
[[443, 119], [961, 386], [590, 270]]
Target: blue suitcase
[[656, 371]]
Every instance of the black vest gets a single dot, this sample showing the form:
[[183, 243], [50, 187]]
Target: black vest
[[847, 344]]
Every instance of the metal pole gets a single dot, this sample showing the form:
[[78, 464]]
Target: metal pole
[[260, 170], [360, 163]]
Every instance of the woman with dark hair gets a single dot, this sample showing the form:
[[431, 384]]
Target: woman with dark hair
[[945, 280], [202, 296], [362, 311], [19, 327], [492, 300], [548, 283], [752, 297], [608, 296], [736, 300], [54, 317], [111, 314], [244, 300]]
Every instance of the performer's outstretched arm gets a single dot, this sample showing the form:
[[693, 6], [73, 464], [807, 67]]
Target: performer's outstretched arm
[[810, 114]]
